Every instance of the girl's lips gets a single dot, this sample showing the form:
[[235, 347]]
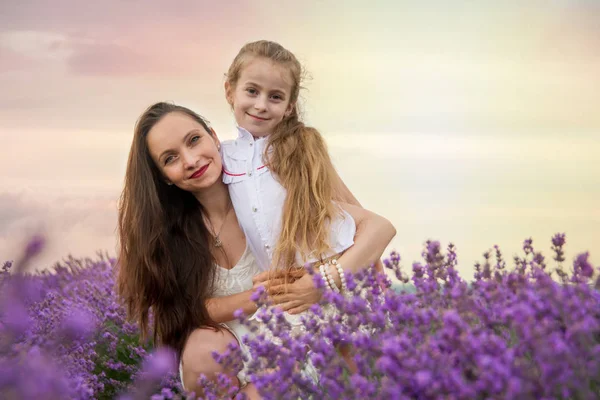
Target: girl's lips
[[200, 172], [258, 118]]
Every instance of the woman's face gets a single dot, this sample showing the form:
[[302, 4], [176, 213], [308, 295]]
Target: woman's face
[[185, 153]]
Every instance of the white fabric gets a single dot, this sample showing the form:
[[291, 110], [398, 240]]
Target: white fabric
[[258, 200], [236, 280]]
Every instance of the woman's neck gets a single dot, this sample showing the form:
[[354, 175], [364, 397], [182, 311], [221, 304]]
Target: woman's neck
[[215, 200]]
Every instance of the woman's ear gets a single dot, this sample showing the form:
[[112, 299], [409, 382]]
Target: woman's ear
[[215, 138]]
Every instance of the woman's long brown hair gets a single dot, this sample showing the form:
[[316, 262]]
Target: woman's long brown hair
[[298, 156], [165, 264]]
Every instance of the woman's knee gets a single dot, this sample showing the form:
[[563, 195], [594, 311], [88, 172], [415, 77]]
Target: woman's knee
[[197, 358]]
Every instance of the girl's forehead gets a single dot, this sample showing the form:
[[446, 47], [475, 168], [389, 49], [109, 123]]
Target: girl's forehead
[[264, 71]]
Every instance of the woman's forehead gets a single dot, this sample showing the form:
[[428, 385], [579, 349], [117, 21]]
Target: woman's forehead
[[171, 130]]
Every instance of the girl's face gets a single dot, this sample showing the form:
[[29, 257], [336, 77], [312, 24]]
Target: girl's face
[[185, 153], [261, 96]]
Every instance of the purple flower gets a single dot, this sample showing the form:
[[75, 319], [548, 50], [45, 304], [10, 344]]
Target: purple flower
[[158, 364], [508, 334], [582, 266], [78, 324], [15, 317], [35, 246], [559, 240]]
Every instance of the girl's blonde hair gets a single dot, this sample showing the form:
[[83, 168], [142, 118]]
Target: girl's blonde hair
[[298, 156]]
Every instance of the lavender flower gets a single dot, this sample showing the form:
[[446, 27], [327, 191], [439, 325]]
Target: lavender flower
[[516, 333]]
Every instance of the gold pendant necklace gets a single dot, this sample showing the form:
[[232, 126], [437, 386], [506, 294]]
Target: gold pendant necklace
[[218, 243]]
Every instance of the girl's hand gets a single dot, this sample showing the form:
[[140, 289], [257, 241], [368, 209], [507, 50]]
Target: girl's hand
[[277, 277], [296, 297]]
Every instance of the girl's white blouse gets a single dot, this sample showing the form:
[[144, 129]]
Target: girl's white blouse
[[258, 200]]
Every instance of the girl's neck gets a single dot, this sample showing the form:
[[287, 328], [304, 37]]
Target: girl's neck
[[215, 200]]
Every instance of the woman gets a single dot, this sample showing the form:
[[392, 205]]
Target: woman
[[182, 252]]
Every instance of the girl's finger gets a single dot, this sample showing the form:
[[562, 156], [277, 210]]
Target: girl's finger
[[282, 298], [275, 283], [299, 309], [290, 305], [277, 289]]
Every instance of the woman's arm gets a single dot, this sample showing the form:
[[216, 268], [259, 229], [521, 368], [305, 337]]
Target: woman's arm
[[221, 309]]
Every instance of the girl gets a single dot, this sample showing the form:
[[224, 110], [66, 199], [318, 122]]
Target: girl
[[182, 253], [281, 180]]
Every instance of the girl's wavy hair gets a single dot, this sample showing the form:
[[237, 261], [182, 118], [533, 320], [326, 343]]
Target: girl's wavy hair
[[298, 156], [165, 268]]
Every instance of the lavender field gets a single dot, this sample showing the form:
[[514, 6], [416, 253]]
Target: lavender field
[[528, 328]]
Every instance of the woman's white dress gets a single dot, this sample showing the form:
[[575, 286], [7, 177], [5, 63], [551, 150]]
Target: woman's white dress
[[232, 281]]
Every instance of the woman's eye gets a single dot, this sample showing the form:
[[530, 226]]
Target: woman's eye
[[194, 139], [169, 159], [251, 90]]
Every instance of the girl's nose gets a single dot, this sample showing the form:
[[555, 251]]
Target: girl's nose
[[261, 103]]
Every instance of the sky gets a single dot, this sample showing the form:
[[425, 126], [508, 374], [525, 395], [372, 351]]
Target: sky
[[476, 124]]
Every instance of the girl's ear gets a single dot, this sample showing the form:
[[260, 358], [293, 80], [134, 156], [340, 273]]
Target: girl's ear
[[229, 93], [289, 109]]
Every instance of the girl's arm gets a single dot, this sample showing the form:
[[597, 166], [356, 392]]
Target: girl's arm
[[344, 195], [373, 234], [221, 309], [341, 192]]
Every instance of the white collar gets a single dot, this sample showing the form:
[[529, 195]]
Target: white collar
[[245, 136]]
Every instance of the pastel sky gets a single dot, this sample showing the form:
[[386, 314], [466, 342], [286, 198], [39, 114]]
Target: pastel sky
[[476, 123]]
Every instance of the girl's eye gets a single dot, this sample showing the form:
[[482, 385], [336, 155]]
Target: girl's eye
[[169, 159], [194, 139], [277, 97], [251, 90]]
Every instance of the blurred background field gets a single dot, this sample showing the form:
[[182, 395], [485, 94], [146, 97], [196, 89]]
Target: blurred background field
[[475, 123]]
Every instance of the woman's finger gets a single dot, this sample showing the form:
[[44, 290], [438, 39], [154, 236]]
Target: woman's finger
[[260, 277]]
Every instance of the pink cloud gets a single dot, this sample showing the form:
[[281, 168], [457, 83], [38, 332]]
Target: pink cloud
[[139, 38], [75, 225], [118, 60], [11, 60]]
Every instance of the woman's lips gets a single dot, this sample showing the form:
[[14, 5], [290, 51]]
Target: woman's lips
[[200, 172]]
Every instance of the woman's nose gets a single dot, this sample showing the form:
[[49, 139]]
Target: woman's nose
[[189, 161]]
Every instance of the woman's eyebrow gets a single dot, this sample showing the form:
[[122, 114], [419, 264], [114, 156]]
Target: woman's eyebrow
[[185, 138]]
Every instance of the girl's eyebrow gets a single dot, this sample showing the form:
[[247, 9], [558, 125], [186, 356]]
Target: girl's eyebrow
[[252, 83], [185, 138]]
